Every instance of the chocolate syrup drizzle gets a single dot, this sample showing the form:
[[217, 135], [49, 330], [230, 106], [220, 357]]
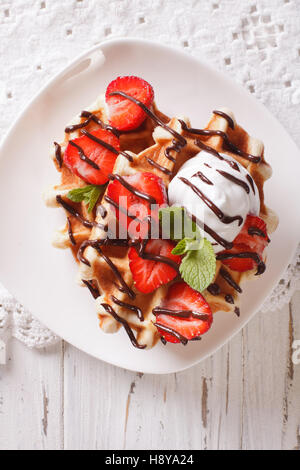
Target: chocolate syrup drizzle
[[256, 231], [237, 311], [158, 121], [226, 244], [120, 208], [229, 299], [70, 232], [235, 180], [174, 333], [75, 213], [106, 145], [159, 167], [96, 244], [135, 309], [102, 211], [228, 278], [126, 325], [176, 147], [261, 267], [132, 189], [91, 117], [83, 156], [58, 155], [226, 219], [93, 290], [226, 142], [141, 247], [179, 313], [200, 175], [249, 178], [225, 116], [214, 152], [214, 289]]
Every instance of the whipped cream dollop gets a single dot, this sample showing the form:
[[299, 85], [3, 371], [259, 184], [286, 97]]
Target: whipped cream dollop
[[219, 192]]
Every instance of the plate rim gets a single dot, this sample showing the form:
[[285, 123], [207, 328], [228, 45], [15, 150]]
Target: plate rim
[[214, 69]]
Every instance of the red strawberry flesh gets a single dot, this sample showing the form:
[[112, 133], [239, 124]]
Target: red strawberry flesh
[[253, 238], [182, 299], [138, 208], [123, 113], [83, 156], [149, 274]]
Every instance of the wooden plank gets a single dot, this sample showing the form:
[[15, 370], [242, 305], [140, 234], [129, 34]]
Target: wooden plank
[[246, 396], [109, 408], [233, 400], [225, 397], [291, 399], [30, 398], [95, 402], [265, 349]]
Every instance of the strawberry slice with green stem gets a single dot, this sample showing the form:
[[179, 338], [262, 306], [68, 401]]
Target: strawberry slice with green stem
[[183, 314], [123, 114], [92, 156]]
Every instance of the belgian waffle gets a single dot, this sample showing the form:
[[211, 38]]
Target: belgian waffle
[[160, 147]]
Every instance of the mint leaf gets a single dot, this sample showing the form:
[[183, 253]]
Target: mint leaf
[[198, 267], [88, 194], [94, 196], [180, 248], [78, 194], [176, 225]]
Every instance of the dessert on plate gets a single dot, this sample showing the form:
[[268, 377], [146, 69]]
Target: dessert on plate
[[165, 220]]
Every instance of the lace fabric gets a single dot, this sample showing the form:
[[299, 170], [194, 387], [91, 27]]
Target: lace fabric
[[255, 42]]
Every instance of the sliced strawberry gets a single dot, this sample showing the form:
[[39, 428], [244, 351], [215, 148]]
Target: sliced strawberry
[[96, 153], [253, 234], [123, 113], [252, 238], [239, 264], [147, 274], [137, 207], [181, 297]]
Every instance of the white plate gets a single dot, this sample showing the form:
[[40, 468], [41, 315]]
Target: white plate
[[42, 278]]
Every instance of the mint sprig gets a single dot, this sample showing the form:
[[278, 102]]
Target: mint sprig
[[198, 267], [88, 194]]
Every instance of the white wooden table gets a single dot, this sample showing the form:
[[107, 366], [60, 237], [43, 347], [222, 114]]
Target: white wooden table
[[246, 396]]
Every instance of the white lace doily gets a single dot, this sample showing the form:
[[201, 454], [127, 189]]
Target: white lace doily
[[256, 42]]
